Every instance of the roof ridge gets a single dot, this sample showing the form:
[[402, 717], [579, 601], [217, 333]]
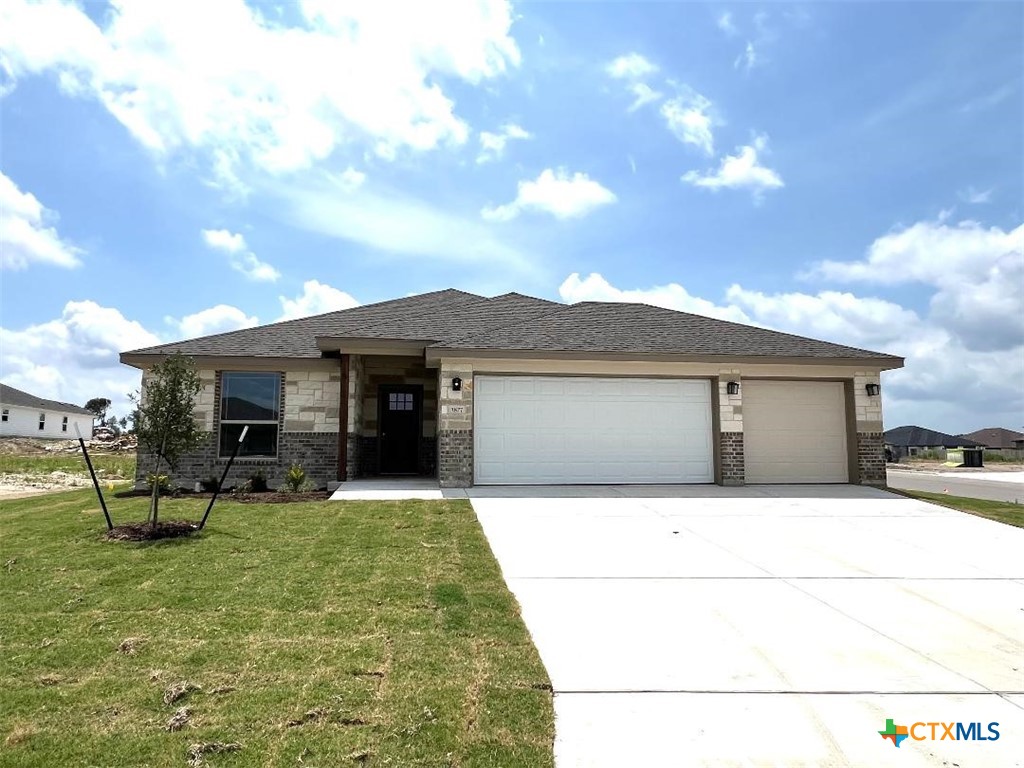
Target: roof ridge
[[385, 323], [511, 324]]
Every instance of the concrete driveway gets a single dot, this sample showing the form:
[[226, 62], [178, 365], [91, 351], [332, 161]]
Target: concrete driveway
[[766, 625]]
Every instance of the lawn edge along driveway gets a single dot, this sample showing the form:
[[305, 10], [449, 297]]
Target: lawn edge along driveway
[[326, 633]]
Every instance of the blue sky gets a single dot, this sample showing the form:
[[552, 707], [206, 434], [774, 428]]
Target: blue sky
[[849, 171]]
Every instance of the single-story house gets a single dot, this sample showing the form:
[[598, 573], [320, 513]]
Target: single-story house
[[915, 441], [25, 415], [519, 390], [997, 438]]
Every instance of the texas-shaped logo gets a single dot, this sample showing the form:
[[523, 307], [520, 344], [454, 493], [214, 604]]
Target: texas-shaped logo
[[895, 733]]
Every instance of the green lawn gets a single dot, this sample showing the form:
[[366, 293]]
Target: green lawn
[[1000, 511], [122, 464], [318, 634]]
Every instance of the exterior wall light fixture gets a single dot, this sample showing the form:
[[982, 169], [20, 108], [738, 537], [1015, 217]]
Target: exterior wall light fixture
[[732, 388], [456, 384], [872, 389]]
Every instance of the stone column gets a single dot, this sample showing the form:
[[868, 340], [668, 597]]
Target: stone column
[[455, 426], [730, 429], [354, 426], [870, 441]]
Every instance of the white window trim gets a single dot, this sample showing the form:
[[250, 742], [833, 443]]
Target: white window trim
[[42, 422], [277, 423], [64, 424], [6, 414]]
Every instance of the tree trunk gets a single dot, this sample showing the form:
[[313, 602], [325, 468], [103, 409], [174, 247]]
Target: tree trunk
[[154, 502]]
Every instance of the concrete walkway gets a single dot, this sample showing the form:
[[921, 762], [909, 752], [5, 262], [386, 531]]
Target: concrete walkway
[[766, 625]]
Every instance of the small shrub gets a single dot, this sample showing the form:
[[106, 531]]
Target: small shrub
[[163, 482], [258, 481], [209, 485], [295, 480]]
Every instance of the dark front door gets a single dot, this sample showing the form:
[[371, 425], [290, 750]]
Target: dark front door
[[400, 427]]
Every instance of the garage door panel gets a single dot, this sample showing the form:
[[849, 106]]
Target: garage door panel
[[592, 430], [794, 432]]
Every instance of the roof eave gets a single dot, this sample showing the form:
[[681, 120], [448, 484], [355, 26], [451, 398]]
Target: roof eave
[[434, 354]]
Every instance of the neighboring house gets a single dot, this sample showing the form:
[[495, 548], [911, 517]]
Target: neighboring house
[[519, 390], [1006, 442], [25, 415], [916, 441], [997, 438]]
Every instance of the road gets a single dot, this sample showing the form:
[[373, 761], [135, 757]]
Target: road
[[957, 485]]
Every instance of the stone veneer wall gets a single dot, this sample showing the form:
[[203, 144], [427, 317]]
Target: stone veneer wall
[[870, 441], [455, 427], [356, 376], [308, 434], [730, 429]]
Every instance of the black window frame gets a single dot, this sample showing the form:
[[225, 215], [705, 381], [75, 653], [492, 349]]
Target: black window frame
[[222, 422]]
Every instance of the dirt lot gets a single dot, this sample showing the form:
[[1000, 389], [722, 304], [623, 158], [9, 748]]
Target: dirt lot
[[31, 466]]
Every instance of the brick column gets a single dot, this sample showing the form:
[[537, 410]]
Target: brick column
[[455, 427], [730, 429], [870, 441]]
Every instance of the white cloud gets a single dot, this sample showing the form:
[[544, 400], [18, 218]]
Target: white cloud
[[689, 117], [224, 240], [977, 273], [726, 24], [554, 192], [351, 179], [274, 96], [643, 95], [631, 66], [748, 59], [218, 319], [976, 196], [492, 145], [26, 232], [595, 287], [316, 298], [241, 259], [75, 357], [323, 205], [739, 171]]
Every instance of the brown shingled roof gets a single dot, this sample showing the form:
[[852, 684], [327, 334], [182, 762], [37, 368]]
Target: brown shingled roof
[[619, 327], [456, 320]]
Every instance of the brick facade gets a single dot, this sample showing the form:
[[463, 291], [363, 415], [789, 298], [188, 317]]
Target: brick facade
[[455, 458], [731, 455], [455, 428], [871, 458]]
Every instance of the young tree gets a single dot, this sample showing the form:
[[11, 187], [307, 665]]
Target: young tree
[[98, 406], [165, 416]]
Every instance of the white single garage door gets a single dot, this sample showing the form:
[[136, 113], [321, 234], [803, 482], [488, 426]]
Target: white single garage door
[[530, 430], [794, 432]]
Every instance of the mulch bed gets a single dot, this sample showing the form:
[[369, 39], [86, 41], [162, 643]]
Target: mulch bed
[[266, 497], [165, 529]]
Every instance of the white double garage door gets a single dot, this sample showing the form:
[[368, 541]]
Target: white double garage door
[[580, 430]]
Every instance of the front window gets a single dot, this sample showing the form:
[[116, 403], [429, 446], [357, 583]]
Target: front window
[[251, 399], [64, 424], [42, 421], [6, 415]]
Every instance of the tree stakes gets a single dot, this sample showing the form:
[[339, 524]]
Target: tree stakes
[[223, 477], [95, 482]]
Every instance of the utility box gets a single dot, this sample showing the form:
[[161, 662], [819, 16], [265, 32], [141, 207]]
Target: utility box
[[973, 457]]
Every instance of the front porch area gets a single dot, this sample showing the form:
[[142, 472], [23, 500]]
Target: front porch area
[[392, 418]]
